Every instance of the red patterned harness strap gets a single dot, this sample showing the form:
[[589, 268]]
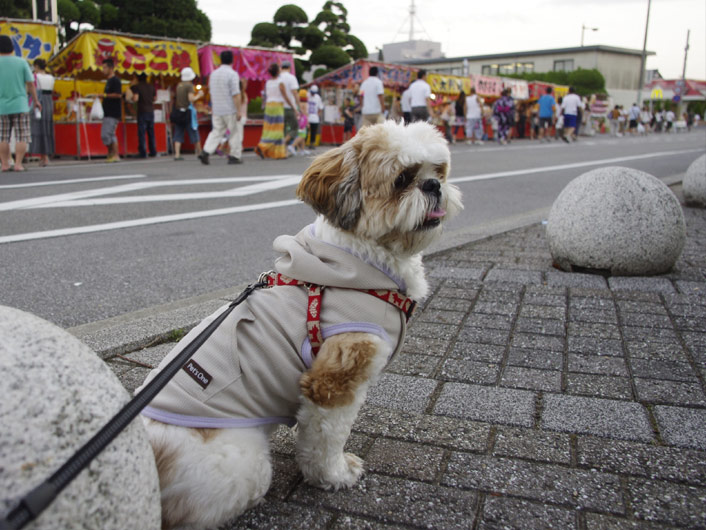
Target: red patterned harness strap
[[313, 312]]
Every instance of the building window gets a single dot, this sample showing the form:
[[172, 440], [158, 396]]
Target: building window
[[489, 69], [521, 68], [505, 69], [564, 65]]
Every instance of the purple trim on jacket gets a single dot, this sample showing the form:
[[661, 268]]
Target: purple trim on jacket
[[212, 423], [382, 268], [337, 329]]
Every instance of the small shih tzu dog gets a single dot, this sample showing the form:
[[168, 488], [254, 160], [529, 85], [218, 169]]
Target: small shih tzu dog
[[306, 349]]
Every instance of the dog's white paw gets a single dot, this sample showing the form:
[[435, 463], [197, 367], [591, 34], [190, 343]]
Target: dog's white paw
[[344, 474]]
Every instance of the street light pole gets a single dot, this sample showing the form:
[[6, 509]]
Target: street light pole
[[584, 28], [644, 55]]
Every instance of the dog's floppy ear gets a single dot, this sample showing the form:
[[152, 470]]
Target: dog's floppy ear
[[331, 186]]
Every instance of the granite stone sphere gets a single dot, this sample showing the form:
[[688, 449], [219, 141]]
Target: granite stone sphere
[[616, 220], [694, 184], [56, 394]]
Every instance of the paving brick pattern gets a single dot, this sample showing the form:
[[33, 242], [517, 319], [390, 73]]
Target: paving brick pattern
[[525, 397]]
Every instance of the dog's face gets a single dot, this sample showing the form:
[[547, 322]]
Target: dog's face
[[387, 185]]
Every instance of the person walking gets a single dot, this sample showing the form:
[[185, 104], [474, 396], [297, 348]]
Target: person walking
[[634, 118], [271, 143], [669, 120], [474, 118], [420, 98], [570, 110], [224, 86], [16, 80], [112, 109], [143, 94], [547, 106], [373, 93], [184, 114], [504, 112], [314, 108], [348, 121], [461, 110], [406, 105], [291, 111], [42, 121]]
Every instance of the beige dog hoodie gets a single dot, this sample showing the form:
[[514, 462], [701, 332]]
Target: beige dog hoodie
[[247, 372]]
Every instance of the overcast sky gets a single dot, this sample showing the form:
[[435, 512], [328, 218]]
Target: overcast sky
[[473, 27]]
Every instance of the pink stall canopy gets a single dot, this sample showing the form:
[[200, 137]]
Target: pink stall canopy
[[250, 63]]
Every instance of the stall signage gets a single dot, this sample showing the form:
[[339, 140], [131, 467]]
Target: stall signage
[[392, 76], [448, 84], [30, 41], [251, 64], [519, 88], [134, 56], [487, 86]]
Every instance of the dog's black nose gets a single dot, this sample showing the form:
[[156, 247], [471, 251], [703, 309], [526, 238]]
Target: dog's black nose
[[431, 186]]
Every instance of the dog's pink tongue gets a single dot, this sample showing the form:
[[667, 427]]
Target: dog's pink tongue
[[440, 212]]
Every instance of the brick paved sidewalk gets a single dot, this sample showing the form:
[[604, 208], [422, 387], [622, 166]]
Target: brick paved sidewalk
[[524, 398]]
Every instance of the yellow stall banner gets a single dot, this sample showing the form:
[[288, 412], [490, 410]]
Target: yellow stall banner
[[132, 55], [560, 91], [31, 40], [448, 84]]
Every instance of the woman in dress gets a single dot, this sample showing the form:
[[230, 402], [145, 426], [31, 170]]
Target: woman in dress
[[504, 113], [43, 122], [272, 140]]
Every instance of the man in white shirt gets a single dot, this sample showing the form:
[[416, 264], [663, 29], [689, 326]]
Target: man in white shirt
[[314, 107], [669, 118], [570, 108], [474, 118], [291, 115], [224, 87], [634, 117], [373, 94], [420, 97]]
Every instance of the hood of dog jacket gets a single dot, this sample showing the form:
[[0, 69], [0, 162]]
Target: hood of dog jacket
[[247, 372]]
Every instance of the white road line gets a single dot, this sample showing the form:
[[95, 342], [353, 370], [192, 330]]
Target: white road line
[[235, 192], [503, 174], [66, 199], [71, 181], [145, 221]]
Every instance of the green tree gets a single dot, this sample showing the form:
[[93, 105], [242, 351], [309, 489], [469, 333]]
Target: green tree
[[326, 40], [161, 18], [16, 8]]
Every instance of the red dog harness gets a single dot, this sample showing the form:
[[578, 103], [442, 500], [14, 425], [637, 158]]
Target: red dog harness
[[313, 313]]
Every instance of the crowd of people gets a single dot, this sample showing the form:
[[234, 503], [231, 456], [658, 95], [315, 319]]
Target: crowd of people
[[548, 118], [293, 115]]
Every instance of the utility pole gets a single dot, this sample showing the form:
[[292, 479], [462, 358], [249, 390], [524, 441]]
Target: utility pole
[[644, 55], [686, 51], [682, 88], [412, 13]]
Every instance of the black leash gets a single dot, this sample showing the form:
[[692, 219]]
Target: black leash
[[37, 500]]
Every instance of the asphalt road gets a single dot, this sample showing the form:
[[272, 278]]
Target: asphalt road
[[81, 242]]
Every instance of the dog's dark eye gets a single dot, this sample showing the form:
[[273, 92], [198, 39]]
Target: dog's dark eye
[[404, 179]]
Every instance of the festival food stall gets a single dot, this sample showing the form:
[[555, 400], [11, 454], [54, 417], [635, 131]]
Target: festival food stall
[[251, 63], [78, 67], [338, 84]]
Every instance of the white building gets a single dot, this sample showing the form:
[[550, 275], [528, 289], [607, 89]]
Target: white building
[[398, 52], [620, 66]]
